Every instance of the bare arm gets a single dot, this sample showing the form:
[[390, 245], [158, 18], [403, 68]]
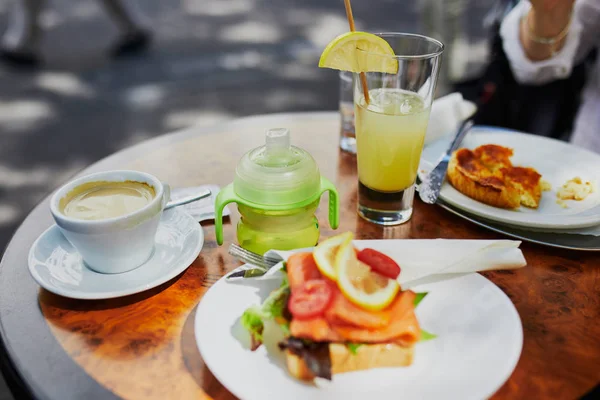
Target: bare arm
[[533, 62], [547, 19]]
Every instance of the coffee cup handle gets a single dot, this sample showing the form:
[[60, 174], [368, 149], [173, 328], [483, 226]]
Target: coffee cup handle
[[166, 194]]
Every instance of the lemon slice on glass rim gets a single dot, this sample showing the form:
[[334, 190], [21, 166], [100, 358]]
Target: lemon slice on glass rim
[[359, 283], [343, 53], [325, 254]]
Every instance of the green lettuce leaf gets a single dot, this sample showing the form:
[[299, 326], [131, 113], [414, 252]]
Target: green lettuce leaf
[[252, 321], [419, 297], [353, 347], [274, 307], [276, 304], [285, 327], [285, 281], [425, 336]]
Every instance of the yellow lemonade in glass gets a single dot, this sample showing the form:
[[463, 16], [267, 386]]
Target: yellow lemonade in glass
[[393, 91], [390, 131]]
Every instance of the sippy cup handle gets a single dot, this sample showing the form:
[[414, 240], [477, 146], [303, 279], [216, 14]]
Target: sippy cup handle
[[225, 196], [334, 202]]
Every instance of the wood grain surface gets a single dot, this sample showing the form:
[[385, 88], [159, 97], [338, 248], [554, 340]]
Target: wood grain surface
[[143, 346]]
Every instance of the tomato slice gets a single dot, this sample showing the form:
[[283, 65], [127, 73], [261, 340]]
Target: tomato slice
[[310, 299], [379, 263]]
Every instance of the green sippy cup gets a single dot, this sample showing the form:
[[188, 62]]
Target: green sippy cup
[[277, 189]]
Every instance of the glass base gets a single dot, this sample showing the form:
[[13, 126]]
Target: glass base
[[386, 218], [384, 208], [348, 142]]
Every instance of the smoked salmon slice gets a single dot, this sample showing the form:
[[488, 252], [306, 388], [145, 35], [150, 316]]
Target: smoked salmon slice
[[402, 328], [301, 267], [343, 311], [316, 329], [403, 325]]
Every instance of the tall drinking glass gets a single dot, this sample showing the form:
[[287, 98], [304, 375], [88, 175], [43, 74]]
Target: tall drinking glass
[[391, 125]]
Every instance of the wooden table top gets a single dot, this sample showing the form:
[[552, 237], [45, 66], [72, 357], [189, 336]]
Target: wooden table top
[[143, 346]]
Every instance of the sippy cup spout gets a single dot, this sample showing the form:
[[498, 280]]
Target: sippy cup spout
[[277, 139]]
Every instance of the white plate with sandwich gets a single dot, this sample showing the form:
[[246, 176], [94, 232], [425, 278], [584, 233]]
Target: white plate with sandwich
[[557, 162], [275, 339]]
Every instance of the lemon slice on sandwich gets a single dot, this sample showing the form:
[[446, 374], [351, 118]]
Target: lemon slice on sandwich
[[360, 284], [326, 251]]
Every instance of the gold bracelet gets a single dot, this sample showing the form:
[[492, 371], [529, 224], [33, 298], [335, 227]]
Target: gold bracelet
[[544, 40]]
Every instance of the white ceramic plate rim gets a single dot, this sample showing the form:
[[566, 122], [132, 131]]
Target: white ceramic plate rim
[[75, 294], [458, 199], [203, 311]]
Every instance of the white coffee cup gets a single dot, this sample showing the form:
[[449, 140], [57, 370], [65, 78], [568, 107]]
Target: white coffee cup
[[119, 244]]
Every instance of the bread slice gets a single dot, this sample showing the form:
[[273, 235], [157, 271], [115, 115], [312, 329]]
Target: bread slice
[[343, 360], [486, 174], [470, 177]]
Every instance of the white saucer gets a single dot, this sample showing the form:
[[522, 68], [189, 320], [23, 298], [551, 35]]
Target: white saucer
[[57, 266], [479, 341]]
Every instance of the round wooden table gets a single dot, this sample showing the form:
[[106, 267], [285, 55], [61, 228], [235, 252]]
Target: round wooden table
[[143, 346]]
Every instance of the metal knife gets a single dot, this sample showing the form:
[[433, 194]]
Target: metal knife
[[430, 187]]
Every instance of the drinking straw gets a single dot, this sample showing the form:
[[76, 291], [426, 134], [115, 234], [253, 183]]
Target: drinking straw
[[363, 77]]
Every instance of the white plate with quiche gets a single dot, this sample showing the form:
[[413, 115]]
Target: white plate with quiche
[[520, 179]]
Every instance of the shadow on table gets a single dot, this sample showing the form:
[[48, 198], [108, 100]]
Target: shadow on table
[[118, 329], [48, 299], [195, 365]]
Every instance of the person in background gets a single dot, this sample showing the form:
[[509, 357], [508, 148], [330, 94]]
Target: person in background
[[20, 42], [544, 39]]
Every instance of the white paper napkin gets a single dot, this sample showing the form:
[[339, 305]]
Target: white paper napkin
[[420, 259], [446, 115]]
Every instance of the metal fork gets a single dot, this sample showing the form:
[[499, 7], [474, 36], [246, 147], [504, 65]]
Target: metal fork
[[263, 263]]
